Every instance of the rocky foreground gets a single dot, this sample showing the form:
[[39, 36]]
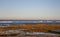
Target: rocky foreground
[[26, 30]]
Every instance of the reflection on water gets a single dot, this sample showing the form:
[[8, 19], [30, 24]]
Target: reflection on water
[[35, 33], [19, 32]]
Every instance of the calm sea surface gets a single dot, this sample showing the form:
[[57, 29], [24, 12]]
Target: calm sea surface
[[29, 21]]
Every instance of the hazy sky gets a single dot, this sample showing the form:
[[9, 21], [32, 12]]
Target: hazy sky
[[29, 9]]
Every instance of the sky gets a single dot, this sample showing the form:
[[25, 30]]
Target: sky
[[30, 9]]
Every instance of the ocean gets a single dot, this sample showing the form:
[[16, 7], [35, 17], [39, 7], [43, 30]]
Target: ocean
[[28, 21]]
